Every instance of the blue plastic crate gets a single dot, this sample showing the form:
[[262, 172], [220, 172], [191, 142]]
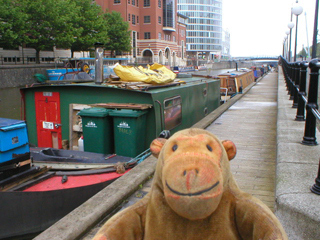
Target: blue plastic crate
[[13, 138], [13, 153]]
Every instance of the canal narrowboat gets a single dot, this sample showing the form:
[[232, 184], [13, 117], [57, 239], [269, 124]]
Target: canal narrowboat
[[40, 186], [234, 82], [53, 110]]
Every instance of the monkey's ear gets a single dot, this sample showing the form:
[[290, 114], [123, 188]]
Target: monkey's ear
[[230, 148], [156, 146]]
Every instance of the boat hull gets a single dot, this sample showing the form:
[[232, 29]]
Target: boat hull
[[32, 212]]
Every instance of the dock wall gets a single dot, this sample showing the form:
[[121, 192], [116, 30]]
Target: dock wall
[[19, 76]]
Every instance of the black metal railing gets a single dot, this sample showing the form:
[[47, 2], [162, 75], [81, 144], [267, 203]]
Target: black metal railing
[[295, 74]]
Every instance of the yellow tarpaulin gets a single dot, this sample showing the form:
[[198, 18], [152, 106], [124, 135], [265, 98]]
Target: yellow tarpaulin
[[155, 74]]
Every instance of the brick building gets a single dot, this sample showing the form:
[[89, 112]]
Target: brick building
[[158, 30]]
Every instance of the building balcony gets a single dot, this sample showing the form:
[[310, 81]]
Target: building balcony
[[169, 29]]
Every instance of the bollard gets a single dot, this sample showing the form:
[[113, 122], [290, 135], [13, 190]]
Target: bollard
[[316, 187], [302, 91], [310, 125]]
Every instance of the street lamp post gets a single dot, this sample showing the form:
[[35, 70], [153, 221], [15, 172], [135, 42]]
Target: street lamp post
[[287, 39], [296, 10], [284, 48], [315, 31], [290, 26], [316, 187]]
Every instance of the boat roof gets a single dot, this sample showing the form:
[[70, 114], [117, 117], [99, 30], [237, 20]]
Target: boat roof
[[236, 73], [132, 86]]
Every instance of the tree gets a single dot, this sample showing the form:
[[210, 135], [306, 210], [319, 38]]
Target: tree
[[91, 25], [119, 35], [12, 23], [50, 24], [303, 53], [318, 50], [40, 24]]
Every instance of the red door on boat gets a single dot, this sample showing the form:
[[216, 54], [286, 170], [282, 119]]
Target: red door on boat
[[48, 119]]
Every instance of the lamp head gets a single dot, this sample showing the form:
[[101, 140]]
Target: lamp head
[[296, 9], [290, 25]]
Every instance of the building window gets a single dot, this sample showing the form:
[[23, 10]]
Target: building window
[[133, 2], [159, 20], [137, 19], [134, 44], [146, 3], [133, 19], [147, 35], [128, 1], [182, 49], [169, 14], [116, 1], [159, 3], [137, 3], [172, 112], [146, 19], [174, 38], [129, 17], [159, 36]]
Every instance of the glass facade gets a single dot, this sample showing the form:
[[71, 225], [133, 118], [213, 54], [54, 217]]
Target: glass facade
[[169, 13], [204, 31]]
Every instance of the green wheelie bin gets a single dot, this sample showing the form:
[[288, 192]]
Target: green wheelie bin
[[97, 130], [129, 127]]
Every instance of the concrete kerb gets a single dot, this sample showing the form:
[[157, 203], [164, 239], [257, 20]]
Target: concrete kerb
[[78, 222], [296, 206]]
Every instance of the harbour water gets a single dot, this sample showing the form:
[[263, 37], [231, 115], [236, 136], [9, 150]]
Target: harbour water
[[10, 103]]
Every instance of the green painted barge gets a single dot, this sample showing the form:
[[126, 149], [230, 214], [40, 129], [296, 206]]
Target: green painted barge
[[50, 108]]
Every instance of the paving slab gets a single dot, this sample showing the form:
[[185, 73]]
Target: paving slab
[[251, 124], [297, 165]]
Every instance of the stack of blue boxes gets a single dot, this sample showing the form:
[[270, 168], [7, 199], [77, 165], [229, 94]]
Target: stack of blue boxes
[[13, 140]]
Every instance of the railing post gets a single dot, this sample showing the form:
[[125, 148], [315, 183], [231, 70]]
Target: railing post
[[292, 77], [285, 68], [296, 81], [316, 187], [310, 125], [302, 91]]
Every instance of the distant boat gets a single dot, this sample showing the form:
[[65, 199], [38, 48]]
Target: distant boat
[[235, 82]]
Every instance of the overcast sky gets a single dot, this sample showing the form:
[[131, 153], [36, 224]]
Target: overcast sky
[[257, 27]]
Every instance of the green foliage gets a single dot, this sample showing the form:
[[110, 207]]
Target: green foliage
[[318, 50], [75, 24], [91, 25], [118, 33], [12, 23], [50, 23], [303, 53]]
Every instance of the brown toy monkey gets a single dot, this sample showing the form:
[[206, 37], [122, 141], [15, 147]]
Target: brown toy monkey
[[194, 196]]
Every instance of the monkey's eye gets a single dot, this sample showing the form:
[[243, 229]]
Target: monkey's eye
[[174, 147], [209, 148]]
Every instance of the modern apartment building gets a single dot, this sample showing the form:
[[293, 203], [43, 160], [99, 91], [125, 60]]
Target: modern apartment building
[[225, 51], [204, 30], [158, 30]]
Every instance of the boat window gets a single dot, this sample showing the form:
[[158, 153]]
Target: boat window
[[172, 112]]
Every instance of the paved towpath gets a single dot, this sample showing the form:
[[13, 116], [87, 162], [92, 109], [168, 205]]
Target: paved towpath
[[251, 124]]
